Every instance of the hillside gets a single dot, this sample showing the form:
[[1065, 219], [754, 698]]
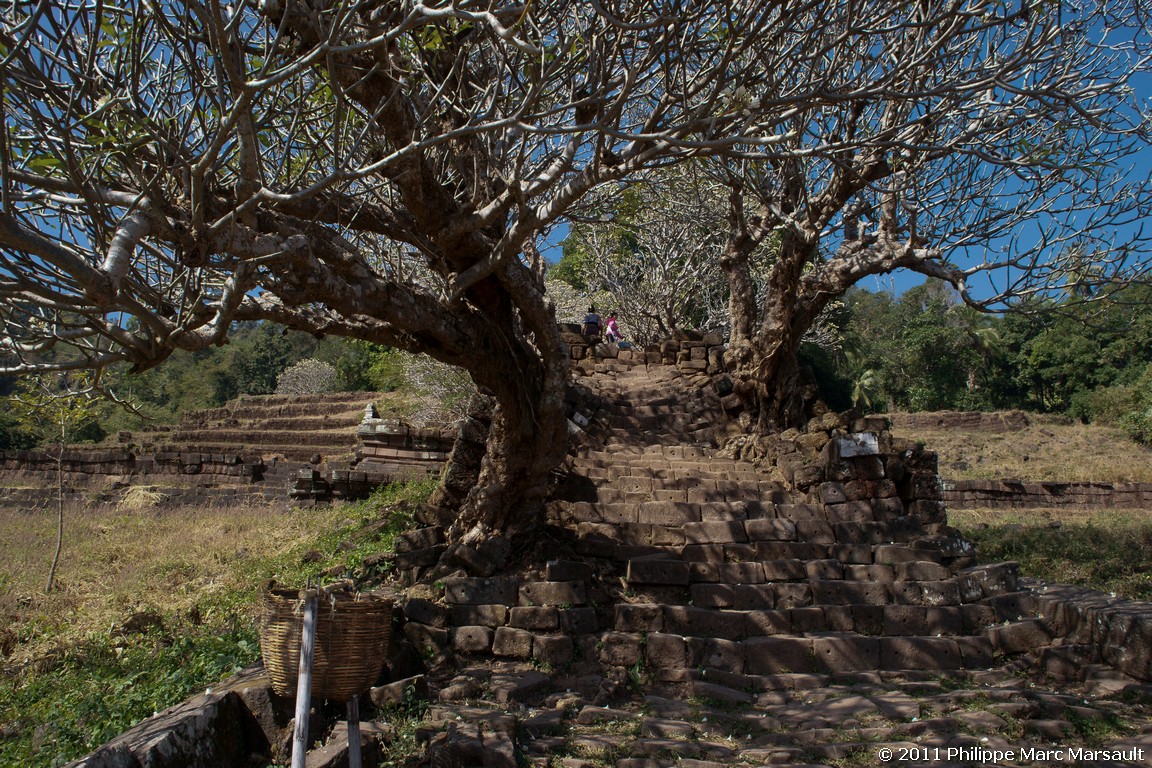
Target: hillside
[[1034, 447]]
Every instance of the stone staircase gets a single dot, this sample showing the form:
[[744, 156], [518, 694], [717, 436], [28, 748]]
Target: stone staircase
[[294, 427], [700, 612], [689, 610]]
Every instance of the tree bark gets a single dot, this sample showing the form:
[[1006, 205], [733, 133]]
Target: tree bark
[[527, 439]]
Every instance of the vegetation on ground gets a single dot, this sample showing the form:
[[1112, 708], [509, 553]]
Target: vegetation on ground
[[1108, 550], [154, 604], [1049, 449], [926, 351]]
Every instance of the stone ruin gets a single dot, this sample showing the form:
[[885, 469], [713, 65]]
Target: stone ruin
[[816, 605]]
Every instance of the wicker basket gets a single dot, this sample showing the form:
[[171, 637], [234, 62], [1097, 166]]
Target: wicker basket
[[352, 632]]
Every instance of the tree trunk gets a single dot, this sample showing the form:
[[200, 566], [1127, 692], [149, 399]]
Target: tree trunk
[[498, 497], [763, 357], [527, 439]]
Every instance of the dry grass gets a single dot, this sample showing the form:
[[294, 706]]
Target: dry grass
[[1105, 549], [1045, 450], [120, 560]]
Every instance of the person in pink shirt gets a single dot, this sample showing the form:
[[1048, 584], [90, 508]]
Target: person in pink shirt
[[612, 329]]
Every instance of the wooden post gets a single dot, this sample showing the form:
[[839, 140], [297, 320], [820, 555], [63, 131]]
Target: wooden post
[[304, 680], [354, 760]]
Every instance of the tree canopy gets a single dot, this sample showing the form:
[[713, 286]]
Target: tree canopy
[[387, 170]]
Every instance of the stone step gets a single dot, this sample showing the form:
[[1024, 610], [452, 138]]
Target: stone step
[[327, 438], [869, 620], [802, 720]]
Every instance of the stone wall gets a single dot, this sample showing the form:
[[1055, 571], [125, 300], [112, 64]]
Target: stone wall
[[970, 421], [695, 351], [1021, 494]]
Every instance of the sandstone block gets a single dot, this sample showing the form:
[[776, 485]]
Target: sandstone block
[[712, 595], [922, 653], [639, 617], [703, 622], [674, 572], [538, 618], [482, 615], [726, 655], [472, 639], [666, 651], [753, 596], [464, 590], [770, 529], [620, 649], [513, 643], [565, 593], [836, 654], [714, 532], [556, 650], [778, 655], [578, 621], [784, 570], [568, 570]]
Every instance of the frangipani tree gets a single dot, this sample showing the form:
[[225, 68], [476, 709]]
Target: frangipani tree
[[378, 170], [991, 145]]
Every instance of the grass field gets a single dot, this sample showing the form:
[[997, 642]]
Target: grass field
[[156, 602], [1048, 448], [153, 604], [1109, 550]]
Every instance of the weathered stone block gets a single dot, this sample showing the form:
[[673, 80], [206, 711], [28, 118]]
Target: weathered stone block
[[674, 572], [668, 512], [976, 652], [770, 529], [815, 532], [666, 651], [472, 639], [881, 573], [726, 655], [712, 595], [537, 618], [824, 569], [639, 617], [768, 622], [703, 553], [620, 649], [426, 612], [741, 573], [849, 593], [792, 595], [481, 615], [1019, 636], [890, 554], [464, 590], [919, 570], [714, 532], [797, 512], [563, 593], [900, 620], [832, 493], [868, 467], [850, 511], [567, 570], [753, 596], [578, 621], [422, 538], [920, 653], [778, 655], [556, 650], [703, 622], [836, 654], [784, 570], [513, 643]]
